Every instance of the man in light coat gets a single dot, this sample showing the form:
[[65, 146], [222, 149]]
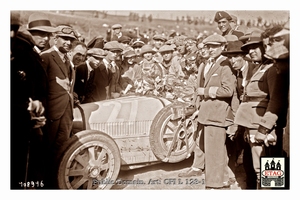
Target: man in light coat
[[214, 92]]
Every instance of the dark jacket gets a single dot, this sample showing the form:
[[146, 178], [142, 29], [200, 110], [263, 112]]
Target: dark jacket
[[97, 91], [28, 78], [61, 77]]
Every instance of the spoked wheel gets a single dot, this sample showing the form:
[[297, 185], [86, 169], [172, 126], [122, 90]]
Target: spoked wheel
[[91, 161], [168, 142]]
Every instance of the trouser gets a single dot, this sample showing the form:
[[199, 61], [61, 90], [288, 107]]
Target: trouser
[[199, 156], [216, 168], [58, 133], [248, 167]]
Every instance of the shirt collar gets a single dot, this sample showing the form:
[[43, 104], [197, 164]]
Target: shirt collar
[[244, 66], [89, 66], [36, 49], [61, 55]]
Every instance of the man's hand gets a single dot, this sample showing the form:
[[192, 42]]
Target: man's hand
[[35, 107], [36, 110], [268, 139]]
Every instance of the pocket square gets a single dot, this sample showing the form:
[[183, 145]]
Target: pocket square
[[82, 80]]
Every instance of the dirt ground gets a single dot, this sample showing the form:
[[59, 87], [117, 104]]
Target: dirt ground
[[164, 176]]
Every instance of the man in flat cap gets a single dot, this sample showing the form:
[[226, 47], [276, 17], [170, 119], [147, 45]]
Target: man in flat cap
[[166, 52], [158, 41], [85, 86], [116, 32], [214, 92], [28, 97], [223, 20], [113, 61]]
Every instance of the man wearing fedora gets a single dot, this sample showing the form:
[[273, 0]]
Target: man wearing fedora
[[262, 111], [28, 99], [214, 92], [59, 107], [84, 86], [236, 146]]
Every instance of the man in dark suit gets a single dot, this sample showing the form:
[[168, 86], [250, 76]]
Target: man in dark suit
[[236, 146], [59, 108], [28, 98], [85, 86], [214, 92]]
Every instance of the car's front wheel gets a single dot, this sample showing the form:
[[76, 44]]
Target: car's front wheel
[[91, 161], [169, 140]]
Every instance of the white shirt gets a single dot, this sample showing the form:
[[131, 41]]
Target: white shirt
[[89, 69]]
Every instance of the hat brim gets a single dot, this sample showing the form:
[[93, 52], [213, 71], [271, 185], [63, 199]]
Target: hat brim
[[114, 49], [96, 56], [43, 29], [130, 56], [233, 52], [282, 32], [153, 52], [66, 35], [245, 46], [138, 44], [162, 39], [215, 43]]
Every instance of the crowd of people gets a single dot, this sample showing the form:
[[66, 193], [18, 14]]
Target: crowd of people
[[238, 81]]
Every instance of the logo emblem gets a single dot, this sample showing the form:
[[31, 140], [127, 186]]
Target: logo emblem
[[272, 172]]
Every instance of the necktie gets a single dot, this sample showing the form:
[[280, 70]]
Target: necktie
[[89, 84], [208, 66]]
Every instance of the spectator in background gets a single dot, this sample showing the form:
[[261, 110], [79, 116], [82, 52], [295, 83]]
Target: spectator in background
[[28, 99], [126, 70], [125, 41], [96, 42], [237, 26], [158, 41], [137, 44], [146, 72], [115, 33], [113, 60], [223, 19], [77, 54], [86, 76], [166, 52]]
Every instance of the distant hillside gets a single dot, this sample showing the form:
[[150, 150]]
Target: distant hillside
[[90, 25], [95, 23]]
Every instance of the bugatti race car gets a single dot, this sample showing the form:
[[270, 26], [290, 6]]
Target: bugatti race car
[[123, 134]]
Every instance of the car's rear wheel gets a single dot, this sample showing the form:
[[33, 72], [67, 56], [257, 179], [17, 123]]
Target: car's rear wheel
[[168, 144], [91, 161]]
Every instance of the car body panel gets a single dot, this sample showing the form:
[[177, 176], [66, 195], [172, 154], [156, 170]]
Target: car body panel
[[127, 120]]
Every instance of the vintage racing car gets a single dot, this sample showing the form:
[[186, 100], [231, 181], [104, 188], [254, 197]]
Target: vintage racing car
[[121, 134]]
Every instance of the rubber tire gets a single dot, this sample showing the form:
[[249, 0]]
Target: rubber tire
[[157, 131], [79, 144]]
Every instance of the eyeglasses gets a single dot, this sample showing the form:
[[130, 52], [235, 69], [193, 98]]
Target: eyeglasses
[[68, 30]]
